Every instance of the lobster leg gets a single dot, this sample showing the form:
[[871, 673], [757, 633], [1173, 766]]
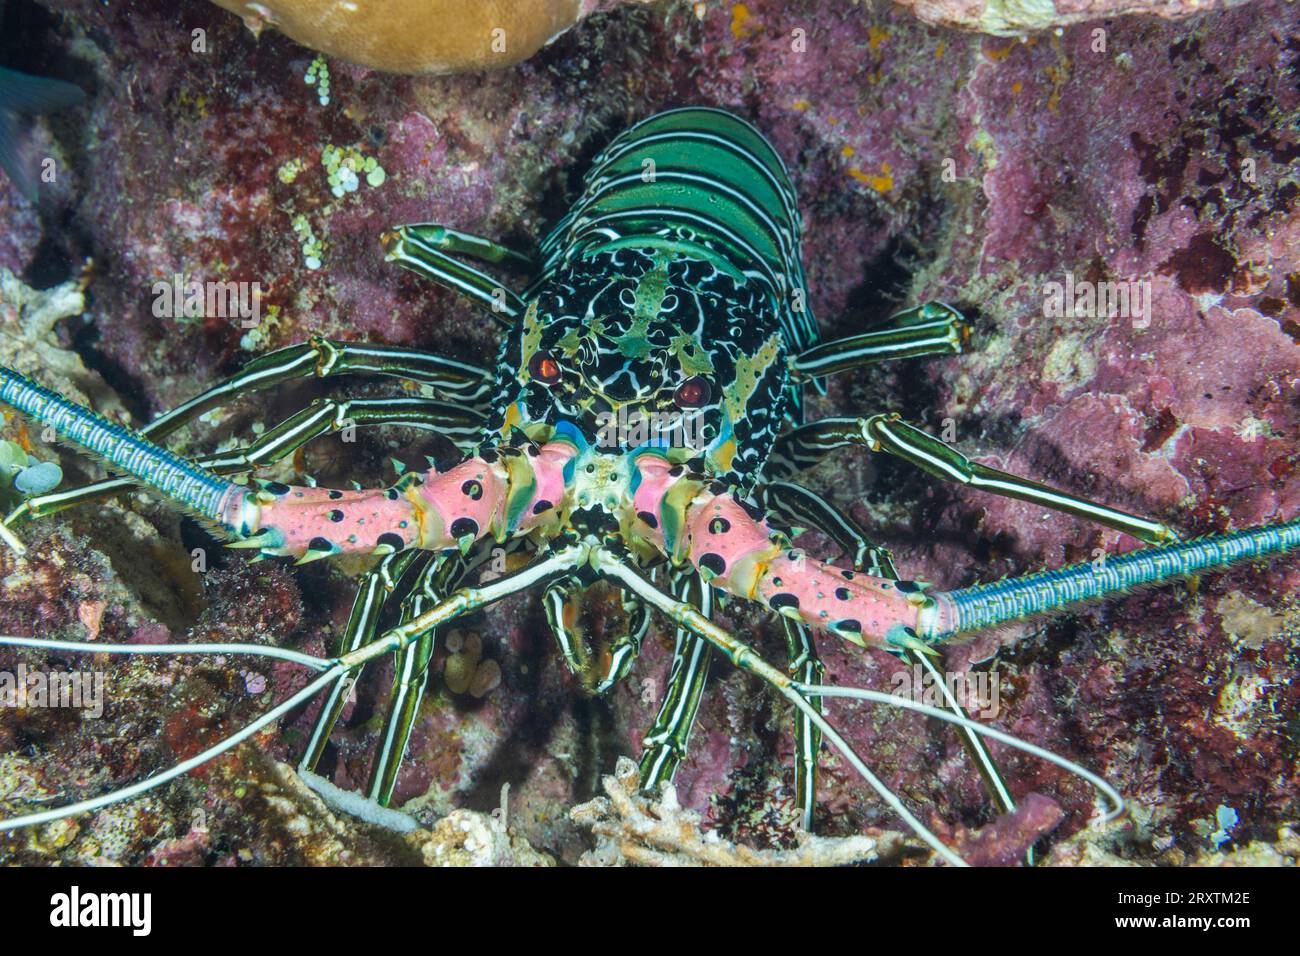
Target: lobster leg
[[434, 579], [890, 434], [323, 416], [442, 239], [797, 505], [376, 587], [427, 248], [806, 668], [929, 329], [323, 358], [743, 656], [411, 667], [801, 448], [326, 416], [627, 646], [804, 446], [563, 604], [665, 741]]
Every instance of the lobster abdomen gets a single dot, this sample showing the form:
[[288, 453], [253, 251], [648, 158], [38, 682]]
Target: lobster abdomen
[[705, 184]]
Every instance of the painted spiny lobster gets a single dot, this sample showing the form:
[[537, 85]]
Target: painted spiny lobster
[[643, 427]]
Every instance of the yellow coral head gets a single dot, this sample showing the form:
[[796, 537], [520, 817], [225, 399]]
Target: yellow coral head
[[417, 36]]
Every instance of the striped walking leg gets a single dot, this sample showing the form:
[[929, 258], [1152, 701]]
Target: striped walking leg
[[466, 385], [799, 506], [427, 249], [804, 666], [377, 586], [665, 742], [562, 602], [411, 665], [929, 329], [804, 446]]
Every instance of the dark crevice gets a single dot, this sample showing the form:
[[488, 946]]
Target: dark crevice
[[33, 40], [883, 290], [30, 42], [85, 339], [52, 263]]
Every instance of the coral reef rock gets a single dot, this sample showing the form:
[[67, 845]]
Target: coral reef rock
[[1017, 17], [419, 36], [632, 828]]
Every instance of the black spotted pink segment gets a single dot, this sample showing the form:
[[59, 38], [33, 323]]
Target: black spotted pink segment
[[434, 511], [290, 520], [744, 556], [735, 549]]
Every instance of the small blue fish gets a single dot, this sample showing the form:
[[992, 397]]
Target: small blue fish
[[21, 97]]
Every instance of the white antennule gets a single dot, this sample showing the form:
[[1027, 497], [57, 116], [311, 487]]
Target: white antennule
[[879, 697], [331, 671]]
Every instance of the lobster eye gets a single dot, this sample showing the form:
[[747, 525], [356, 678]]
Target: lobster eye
[[542, 368], [693, 393]]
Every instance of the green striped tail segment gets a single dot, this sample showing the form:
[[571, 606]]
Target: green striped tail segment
[[987, 605], [196, 488], [702, 183]]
